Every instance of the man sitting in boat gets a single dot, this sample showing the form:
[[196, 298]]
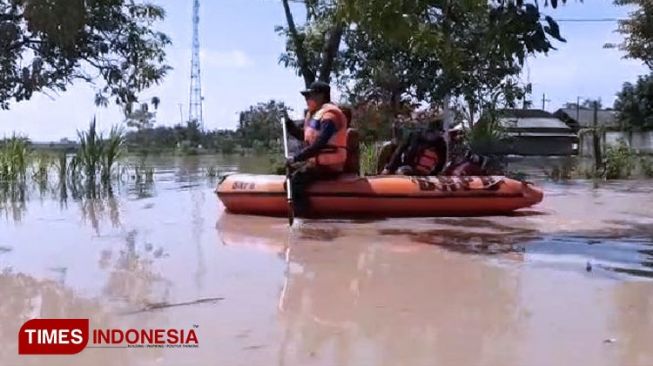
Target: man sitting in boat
[[421, 154], [325, 143]]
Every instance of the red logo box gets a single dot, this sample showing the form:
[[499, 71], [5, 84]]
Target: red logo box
[[53, 336]]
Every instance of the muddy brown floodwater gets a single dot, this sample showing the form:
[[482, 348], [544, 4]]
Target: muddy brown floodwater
[[567, 282]]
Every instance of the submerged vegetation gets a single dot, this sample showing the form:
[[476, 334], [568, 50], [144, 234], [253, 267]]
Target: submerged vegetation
[[87, 172], [97, 156], [619, 161], [13, 159]]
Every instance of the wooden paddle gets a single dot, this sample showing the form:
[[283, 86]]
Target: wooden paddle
[[291, 210]]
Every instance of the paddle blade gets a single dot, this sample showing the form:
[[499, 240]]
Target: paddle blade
[[291, 213]]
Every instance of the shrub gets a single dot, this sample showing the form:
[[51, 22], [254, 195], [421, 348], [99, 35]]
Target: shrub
[[619, 161]]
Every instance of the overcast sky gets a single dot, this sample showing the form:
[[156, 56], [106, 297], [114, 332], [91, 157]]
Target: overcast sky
[[240, 68]]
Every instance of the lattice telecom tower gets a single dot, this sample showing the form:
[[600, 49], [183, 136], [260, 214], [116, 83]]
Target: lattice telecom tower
[[195, 102]]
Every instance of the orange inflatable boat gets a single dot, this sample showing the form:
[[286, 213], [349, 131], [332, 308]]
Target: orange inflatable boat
[[381, 196]]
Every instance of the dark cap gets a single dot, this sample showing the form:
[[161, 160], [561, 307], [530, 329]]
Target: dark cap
[[317, 87]]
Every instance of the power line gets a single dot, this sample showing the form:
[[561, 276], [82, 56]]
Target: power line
[[588, 20]]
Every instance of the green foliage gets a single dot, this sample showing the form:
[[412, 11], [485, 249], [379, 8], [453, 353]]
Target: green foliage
[[97, 155], [635, 104], [112, 150], [637, 30], [142, 117], [619, 161], [373, 122], [43, 161], [646, 167], [449, 48], [277, 164], [61, 166], [13, 158], [66, 41], [259, 127], [312, 48], [90, 151], [226, 144], [486, 136], [369, 157]]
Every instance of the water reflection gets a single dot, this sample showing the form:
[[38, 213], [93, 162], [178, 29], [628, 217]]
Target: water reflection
[[27, 297], [371, 301], [624, 249], [346, 300], [197, 230], [132, 280], [620, 247], [635, 318], [394, 291], [13, 199], [381, 303], [95, 209]]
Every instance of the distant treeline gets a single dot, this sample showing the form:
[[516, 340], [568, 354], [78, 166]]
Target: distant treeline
[[258, 131]]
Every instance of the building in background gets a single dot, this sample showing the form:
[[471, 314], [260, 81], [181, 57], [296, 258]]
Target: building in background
[[610, 130], [579, 118], [534, 132]]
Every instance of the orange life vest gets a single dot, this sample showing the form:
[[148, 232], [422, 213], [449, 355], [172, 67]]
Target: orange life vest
[[427, 159], [334, 155]]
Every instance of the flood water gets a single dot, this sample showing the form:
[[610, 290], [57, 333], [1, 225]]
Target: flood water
[[568, 282]]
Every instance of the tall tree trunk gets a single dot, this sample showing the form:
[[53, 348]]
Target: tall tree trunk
[[330, 52], [471, 105], [395, 98], [307, 73]]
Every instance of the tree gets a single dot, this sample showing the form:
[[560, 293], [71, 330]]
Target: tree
[[407, 37], [260, 125], [439, 50], [312, 49], [635, 104], [141, 118], [48, 45], [637, 31]]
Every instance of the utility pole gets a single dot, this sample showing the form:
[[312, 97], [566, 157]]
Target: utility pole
[[544, 100], [598, 159]]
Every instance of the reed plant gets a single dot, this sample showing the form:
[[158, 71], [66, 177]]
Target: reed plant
[[41, 167], [89, 154], [111, 152], [96, 155], [61, 166], [13, 158]]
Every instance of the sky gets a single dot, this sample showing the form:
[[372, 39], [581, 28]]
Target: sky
[[239, 61]]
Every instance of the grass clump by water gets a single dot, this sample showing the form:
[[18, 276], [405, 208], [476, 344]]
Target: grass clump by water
[[111, 152], [13, 158], [97, 156]]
